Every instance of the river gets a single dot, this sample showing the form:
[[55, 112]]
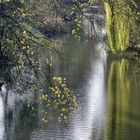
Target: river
[[108, 96]]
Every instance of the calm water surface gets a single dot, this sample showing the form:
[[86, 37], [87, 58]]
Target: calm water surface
[[108, 93]]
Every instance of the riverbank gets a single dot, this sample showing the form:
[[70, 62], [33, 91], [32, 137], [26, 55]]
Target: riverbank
[[51, 26]]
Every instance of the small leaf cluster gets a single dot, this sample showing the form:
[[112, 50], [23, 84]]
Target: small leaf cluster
[[59, 98]]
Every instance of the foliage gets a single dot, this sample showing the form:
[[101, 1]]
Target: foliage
[[118, 30], [121, 22], [20, 42], [17, 41], [59, 98], [79, 17]]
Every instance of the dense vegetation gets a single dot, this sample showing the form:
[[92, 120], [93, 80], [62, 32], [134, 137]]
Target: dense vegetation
[[20, 40], [122, 20]]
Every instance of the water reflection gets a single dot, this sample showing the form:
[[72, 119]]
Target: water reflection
[[87, 78], [123, 117], [2, 126], [89, 122], [107, 92], [15, 95]]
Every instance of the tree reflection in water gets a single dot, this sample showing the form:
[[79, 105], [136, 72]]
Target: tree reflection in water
[[123, 115]]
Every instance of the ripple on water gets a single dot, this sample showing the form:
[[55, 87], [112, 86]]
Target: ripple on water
[[2, 127]]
